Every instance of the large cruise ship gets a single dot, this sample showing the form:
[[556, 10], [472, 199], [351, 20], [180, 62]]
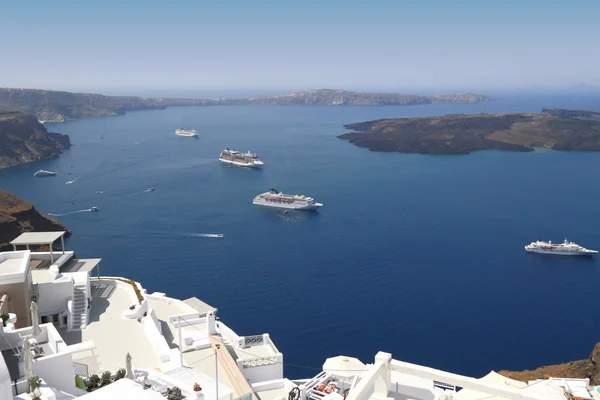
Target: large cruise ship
[[564, 249], [274, 198], [186, 132], [242, 159]]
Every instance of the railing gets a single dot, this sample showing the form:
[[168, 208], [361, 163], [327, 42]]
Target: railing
[[255, 340], [259, 362], [81, 369]]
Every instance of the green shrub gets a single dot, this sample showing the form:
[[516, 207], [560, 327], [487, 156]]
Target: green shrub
[[106, 377], [93, 381], [121, 373]]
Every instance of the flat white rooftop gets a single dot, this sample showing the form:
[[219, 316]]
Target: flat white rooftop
[[123, 389], [34, 238], [10, 266], [114, 335]]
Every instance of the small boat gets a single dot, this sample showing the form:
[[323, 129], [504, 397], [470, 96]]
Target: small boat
[[186, 132], [94, 208], [150, 190], [42, 172], [69, 182]]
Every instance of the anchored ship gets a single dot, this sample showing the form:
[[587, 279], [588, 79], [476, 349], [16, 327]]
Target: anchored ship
[[564, 249], [186, 132], [274, 198], [42, 172], [242, 159]]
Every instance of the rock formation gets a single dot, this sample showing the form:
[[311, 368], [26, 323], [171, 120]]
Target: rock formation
[[18, 216], [23, 139]]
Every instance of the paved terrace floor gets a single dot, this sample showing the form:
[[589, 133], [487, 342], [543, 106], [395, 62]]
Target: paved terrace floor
[[113, 335]]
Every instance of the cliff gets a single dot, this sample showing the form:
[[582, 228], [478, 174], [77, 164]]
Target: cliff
[[23, 139], [463, 134], [57, 106], [18, 216], [588, 368]]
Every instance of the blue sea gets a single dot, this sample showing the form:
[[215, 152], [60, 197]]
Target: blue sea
[[417, 255]]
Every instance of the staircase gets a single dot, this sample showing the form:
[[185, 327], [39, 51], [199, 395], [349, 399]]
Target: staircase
[[79, 306]]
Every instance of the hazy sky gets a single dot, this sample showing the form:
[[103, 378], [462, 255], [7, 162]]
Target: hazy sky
[[369, 44]]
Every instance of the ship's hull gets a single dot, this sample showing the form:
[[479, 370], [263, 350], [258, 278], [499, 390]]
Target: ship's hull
[[187, 134], [289, 206], [240, 163], [559, 252]]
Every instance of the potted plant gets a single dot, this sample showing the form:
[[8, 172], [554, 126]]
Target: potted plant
[[106, 378], [121, 373], [4, 319], [34, 384], [93, 382]]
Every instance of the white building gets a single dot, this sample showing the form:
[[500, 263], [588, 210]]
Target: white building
[[89, 325]]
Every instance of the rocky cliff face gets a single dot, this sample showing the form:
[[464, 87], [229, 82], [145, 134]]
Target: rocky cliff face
[[23, 139], [18, 216], [588, 368]]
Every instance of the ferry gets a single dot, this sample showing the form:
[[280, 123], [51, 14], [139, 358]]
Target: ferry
[[186, 132], [42, 172], [274, 198], [234, 157], [564, 249]]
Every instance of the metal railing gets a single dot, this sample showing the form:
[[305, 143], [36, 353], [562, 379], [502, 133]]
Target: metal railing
[[255, 340], [81, 369], [259, 362]]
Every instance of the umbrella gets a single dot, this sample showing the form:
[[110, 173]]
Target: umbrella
[[27, 360], [129, 370], [343, 366], [34, 319]]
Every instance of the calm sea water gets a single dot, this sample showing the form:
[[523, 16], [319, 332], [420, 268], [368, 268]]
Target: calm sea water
[[420, 256]]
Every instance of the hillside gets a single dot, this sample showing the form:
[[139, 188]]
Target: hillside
[[23, 139], [462, 134], [57, 106], [18, 216], [588, 368]]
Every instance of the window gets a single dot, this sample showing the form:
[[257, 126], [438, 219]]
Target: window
[[45, 319], [55, 318]]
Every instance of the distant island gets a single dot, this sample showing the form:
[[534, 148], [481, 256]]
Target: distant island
[[462, 134], [23, 139], [18, 216], [57, 106]]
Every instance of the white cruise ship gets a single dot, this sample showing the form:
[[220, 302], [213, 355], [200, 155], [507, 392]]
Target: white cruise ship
[[274, 198], [186, 132], [564, 249], [42, 172], [58, 341], [242, 159]]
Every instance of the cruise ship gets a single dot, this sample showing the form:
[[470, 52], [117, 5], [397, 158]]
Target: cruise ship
[[186, 132], [67, 332], [242, 159], [564, 249], [274, 198], [42, 172]]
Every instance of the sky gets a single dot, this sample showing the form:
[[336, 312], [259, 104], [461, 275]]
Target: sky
[[119, 46]]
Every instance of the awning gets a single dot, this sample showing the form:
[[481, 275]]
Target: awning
[[343, 366], [35, 238]]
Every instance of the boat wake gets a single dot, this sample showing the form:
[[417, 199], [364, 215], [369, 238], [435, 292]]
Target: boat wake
[[70, 212], [207, 235]]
